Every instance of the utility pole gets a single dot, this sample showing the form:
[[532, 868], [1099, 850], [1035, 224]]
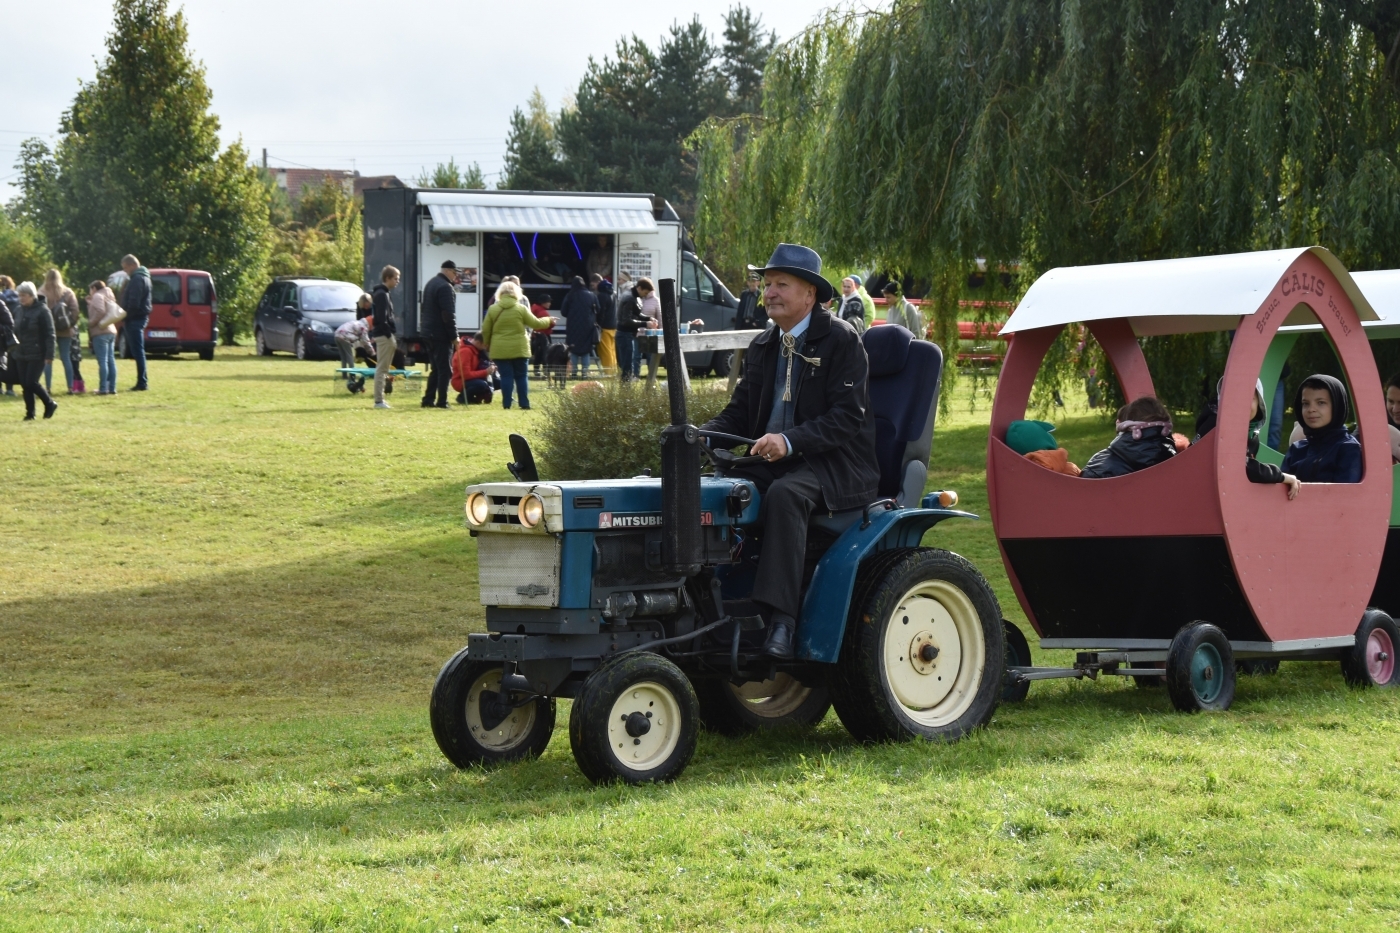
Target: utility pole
[[264, 158]]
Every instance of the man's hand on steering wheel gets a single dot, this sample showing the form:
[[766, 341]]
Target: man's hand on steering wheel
[[771, 447]]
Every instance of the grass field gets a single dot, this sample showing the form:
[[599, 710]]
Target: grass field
[[222, 606]]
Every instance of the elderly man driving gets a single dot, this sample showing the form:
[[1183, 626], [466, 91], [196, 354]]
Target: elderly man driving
[[804, 395]]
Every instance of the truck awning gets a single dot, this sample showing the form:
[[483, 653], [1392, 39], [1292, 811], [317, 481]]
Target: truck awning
[[522, 213]]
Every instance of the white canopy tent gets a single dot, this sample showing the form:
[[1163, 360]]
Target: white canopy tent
[[487, 212], [1173, 296]]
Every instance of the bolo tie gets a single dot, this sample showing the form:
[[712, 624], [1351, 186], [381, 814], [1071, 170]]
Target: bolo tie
[[789, 351]]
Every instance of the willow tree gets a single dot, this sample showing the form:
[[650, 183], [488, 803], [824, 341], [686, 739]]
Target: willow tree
[[1038, 133]]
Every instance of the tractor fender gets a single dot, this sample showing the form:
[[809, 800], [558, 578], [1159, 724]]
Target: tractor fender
[[828, 601]]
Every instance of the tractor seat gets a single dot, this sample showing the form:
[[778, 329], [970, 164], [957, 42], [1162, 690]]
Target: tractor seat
[[904, 378]]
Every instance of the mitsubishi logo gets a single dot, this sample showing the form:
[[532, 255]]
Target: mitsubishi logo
[[531, 590]]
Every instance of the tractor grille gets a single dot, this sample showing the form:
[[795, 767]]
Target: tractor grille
[[518, 570]]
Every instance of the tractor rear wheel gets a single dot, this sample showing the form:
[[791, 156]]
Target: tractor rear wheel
[[475, 724], [925, 651], [635, 720], [781, 702], [1371, 661]]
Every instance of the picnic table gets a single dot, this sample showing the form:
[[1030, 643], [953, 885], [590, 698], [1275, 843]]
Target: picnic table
[[736, 340], [355, 376]]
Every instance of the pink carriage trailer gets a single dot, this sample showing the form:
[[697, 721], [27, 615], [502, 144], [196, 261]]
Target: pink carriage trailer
[[1239, 574]]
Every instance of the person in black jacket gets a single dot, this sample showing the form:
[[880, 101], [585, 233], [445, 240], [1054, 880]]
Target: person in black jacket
[[437, 322], [383, 331], [136, 301], [805, 396], [7, 340], [580, 310], [750, 315], [630, 319], [1144, 439], [1255, 469], [34, 328]]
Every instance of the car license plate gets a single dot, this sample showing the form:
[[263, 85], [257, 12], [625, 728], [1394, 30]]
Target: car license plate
[[170, 334]]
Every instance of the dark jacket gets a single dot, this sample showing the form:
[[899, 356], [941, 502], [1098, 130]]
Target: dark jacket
[[834, 427], [383, 310], [34, 328], [1127, 454], [7, 328], [1326, 457], [630, 318], [136, 296], [607, 307], [580, 310], [437, 312], [749, 315]]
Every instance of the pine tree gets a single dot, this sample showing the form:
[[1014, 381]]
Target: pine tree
[[746, 51], [138, 168], [449, 175], [532, 160]]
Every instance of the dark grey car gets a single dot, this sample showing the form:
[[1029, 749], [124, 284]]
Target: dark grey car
[[299, 314]]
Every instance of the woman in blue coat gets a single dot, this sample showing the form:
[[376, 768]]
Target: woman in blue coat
[[1327, 453]]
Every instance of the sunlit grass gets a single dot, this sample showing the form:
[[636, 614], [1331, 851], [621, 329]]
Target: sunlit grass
[[223, 604]]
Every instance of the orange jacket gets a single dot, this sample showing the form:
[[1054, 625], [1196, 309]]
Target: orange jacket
[[467, 365]]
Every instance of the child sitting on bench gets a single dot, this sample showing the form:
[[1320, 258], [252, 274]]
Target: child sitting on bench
[[1328, 452], [1144, 439]]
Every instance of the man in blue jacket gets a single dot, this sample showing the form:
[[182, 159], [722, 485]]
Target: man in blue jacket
[[437, 322], [136, 301]]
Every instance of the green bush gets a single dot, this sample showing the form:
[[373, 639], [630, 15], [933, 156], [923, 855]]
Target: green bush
[[614, 431]]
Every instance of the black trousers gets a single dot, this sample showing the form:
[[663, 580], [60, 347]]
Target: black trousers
[[790, 492], [30, 374], [440, 378]]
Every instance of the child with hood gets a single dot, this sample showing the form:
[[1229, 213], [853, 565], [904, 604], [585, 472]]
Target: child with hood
[[1327, 452], [1144, 439], [1256, 470]]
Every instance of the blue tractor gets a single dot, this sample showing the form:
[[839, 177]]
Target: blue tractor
[[630, 597]]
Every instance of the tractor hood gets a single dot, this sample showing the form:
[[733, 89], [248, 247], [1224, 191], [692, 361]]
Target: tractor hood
[[611, 505]]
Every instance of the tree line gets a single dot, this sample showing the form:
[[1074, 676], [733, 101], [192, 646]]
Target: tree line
[[626, 126]]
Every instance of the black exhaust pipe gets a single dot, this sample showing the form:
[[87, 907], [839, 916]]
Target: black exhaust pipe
[[681, 549]]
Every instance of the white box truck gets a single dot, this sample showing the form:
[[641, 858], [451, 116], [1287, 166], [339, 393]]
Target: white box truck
[[546, 238]]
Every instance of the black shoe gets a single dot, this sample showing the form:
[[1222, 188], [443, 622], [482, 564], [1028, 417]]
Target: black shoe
[[49, 409], [141, 387], [29, 416], [779, 643], [442, 405], [425, 404]]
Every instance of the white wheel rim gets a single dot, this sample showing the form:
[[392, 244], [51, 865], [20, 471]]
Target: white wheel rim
[[658, 706], [772, 699], [934, 691], [507, 734]]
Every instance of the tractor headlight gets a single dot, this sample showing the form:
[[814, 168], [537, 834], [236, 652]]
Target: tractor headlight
[[478, 508], [947, 498], [531, 510]]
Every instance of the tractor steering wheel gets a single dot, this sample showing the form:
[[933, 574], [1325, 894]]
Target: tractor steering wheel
[[722, 458]]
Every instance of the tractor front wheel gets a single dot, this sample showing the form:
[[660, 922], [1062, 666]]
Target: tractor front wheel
[[781, 702], [925, 650], [476, 724], [635, 720]]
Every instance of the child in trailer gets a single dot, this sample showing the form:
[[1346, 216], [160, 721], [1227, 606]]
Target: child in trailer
[[1144, 439], [1327, 452], [1256, 470]]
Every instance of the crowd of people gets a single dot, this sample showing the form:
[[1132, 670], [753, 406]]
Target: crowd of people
[[39, 323]]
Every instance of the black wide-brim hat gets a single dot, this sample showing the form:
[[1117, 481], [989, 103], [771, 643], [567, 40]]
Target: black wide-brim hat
[[801, 261]]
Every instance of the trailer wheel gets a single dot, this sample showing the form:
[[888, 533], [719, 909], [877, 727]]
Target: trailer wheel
[[635, 720], [474, 726], [1371, 661], [1018, 654], [781, 702], [1200, 671], [925, 651]]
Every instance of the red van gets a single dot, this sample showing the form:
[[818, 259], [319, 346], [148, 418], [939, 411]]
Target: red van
[[184, 314]]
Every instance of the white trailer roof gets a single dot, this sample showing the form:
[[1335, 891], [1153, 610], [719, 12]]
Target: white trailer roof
[[537, 213], [1169, 296]]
